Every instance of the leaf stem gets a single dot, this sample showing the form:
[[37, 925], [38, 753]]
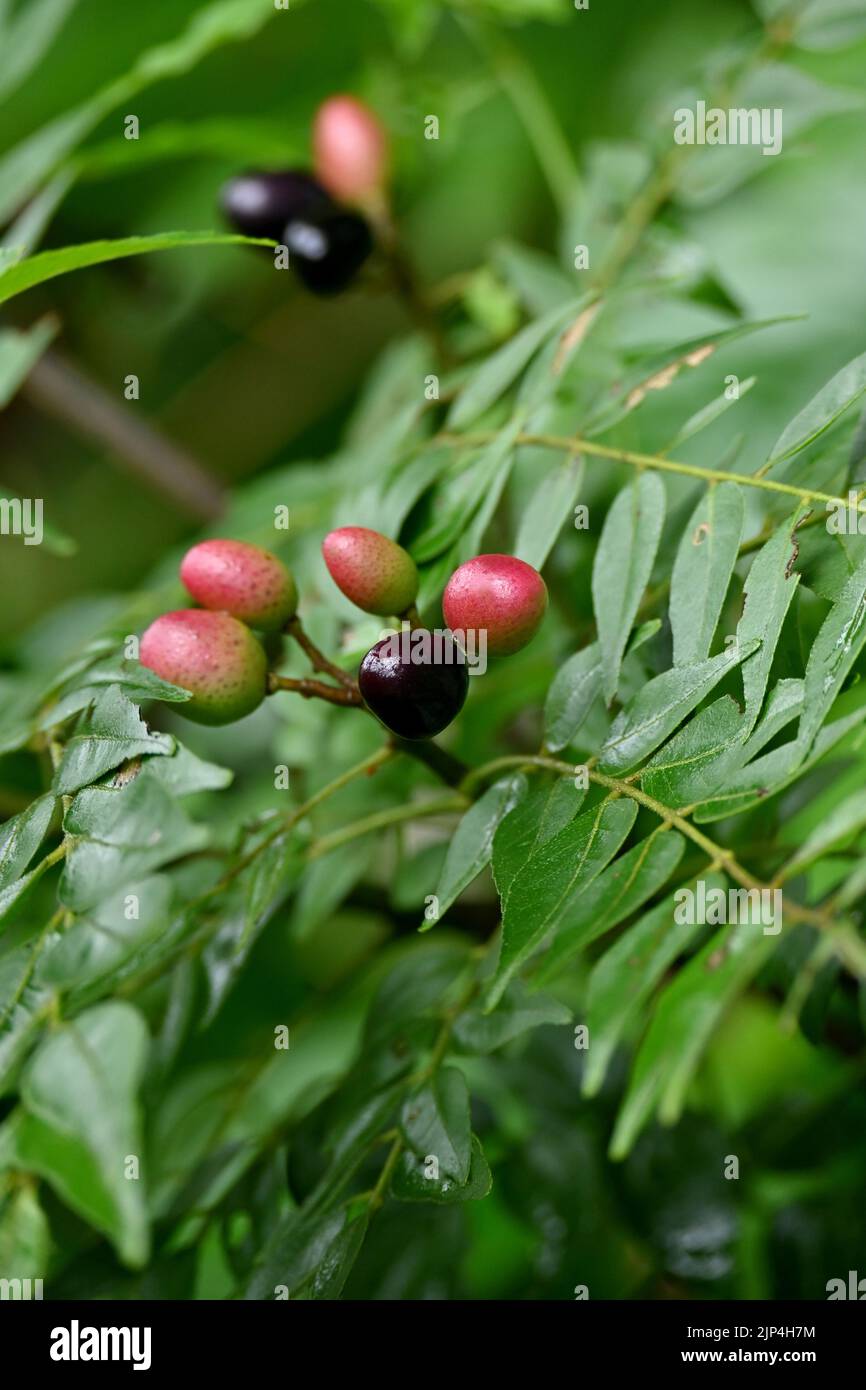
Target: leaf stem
[[577, 444], [381, 820], [319, 662]]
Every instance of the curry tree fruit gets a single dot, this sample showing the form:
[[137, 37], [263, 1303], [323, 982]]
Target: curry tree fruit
[[414, 684], [499, 595], [327, 247], [374, 572], [350, 150], [258, 203], [241, 579], [213, 656]]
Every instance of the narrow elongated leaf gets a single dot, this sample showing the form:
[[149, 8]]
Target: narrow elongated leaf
[[841, 823], [308, 1256], [532, 823], [502, 369], [545, 887], [21, 837], [518, 1012], [550, 507], [82, 1085], [769, 589], [113, 733], [573, 690], [416, 1181], [435, 1123], [708, 415], [685, 1017], [626, 976], [27, 36], [834, 651], [846, 387], [19, 353], [472, 843], [657, 709], [47, 265], [692, 764], [622, 567], [624, 886], [702, 570], [26, 165]]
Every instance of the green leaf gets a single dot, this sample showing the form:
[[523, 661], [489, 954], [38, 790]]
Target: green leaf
[[435, 1123], [121, 834], [26, 165], [81, 1087], [769, 589], [693, 764], [532, 823], [113, 733], [622, 567], [21, 837], [574, 689], [500, 370], [624, 886], [683, 1022], [25, 1236], [47, 265], [842, 822], [271, 877], [468, 496], [518, 1012], [25, 37], [410, 1183], [545, 888], [418, 986], [24, 1003], [834, 651], [708, 415], [702, 570], [624, 979], [100, 941], [19, 353], [184, 773], [660, 705], [846, 387], [472, 842], [829, 24], [550, 506], [309, 1256]]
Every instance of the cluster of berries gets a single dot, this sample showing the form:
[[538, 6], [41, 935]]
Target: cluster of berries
[[212, 652], [307, 211]]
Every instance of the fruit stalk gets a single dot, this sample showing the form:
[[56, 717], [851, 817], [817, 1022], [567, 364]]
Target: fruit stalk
[[318, 660], [311, 689]]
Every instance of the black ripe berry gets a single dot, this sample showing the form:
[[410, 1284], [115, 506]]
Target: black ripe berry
[[327, 247], [414, 697], [260, 204]]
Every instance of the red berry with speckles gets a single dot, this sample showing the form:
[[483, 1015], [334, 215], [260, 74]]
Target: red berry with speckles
[[212, 655], [499, 595], [350, 150], [374, 572], [241, 579]]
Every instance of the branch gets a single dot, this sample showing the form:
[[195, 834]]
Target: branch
[[59, 388]]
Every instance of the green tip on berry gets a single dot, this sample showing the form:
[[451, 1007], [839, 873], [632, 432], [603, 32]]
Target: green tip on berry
[[499, 595], [241, 579], [374, 572], [213, 656]]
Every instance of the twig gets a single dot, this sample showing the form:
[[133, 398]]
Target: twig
[[61, 389], [317, 659], [314, 690]]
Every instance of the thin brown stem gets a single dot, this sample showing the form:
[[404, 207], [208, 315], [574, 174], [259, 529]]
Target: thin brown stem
[[314, 690], [317, 659]]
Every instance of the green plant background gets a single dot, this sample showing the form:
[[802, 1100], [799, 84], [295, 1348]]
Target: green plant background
[[298, 1169]]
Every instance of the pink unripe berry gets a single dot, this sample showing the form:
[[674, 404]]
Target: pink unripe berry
[[374, 572], [212, 655], [241, 579], [499, 595], [350, 150]]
